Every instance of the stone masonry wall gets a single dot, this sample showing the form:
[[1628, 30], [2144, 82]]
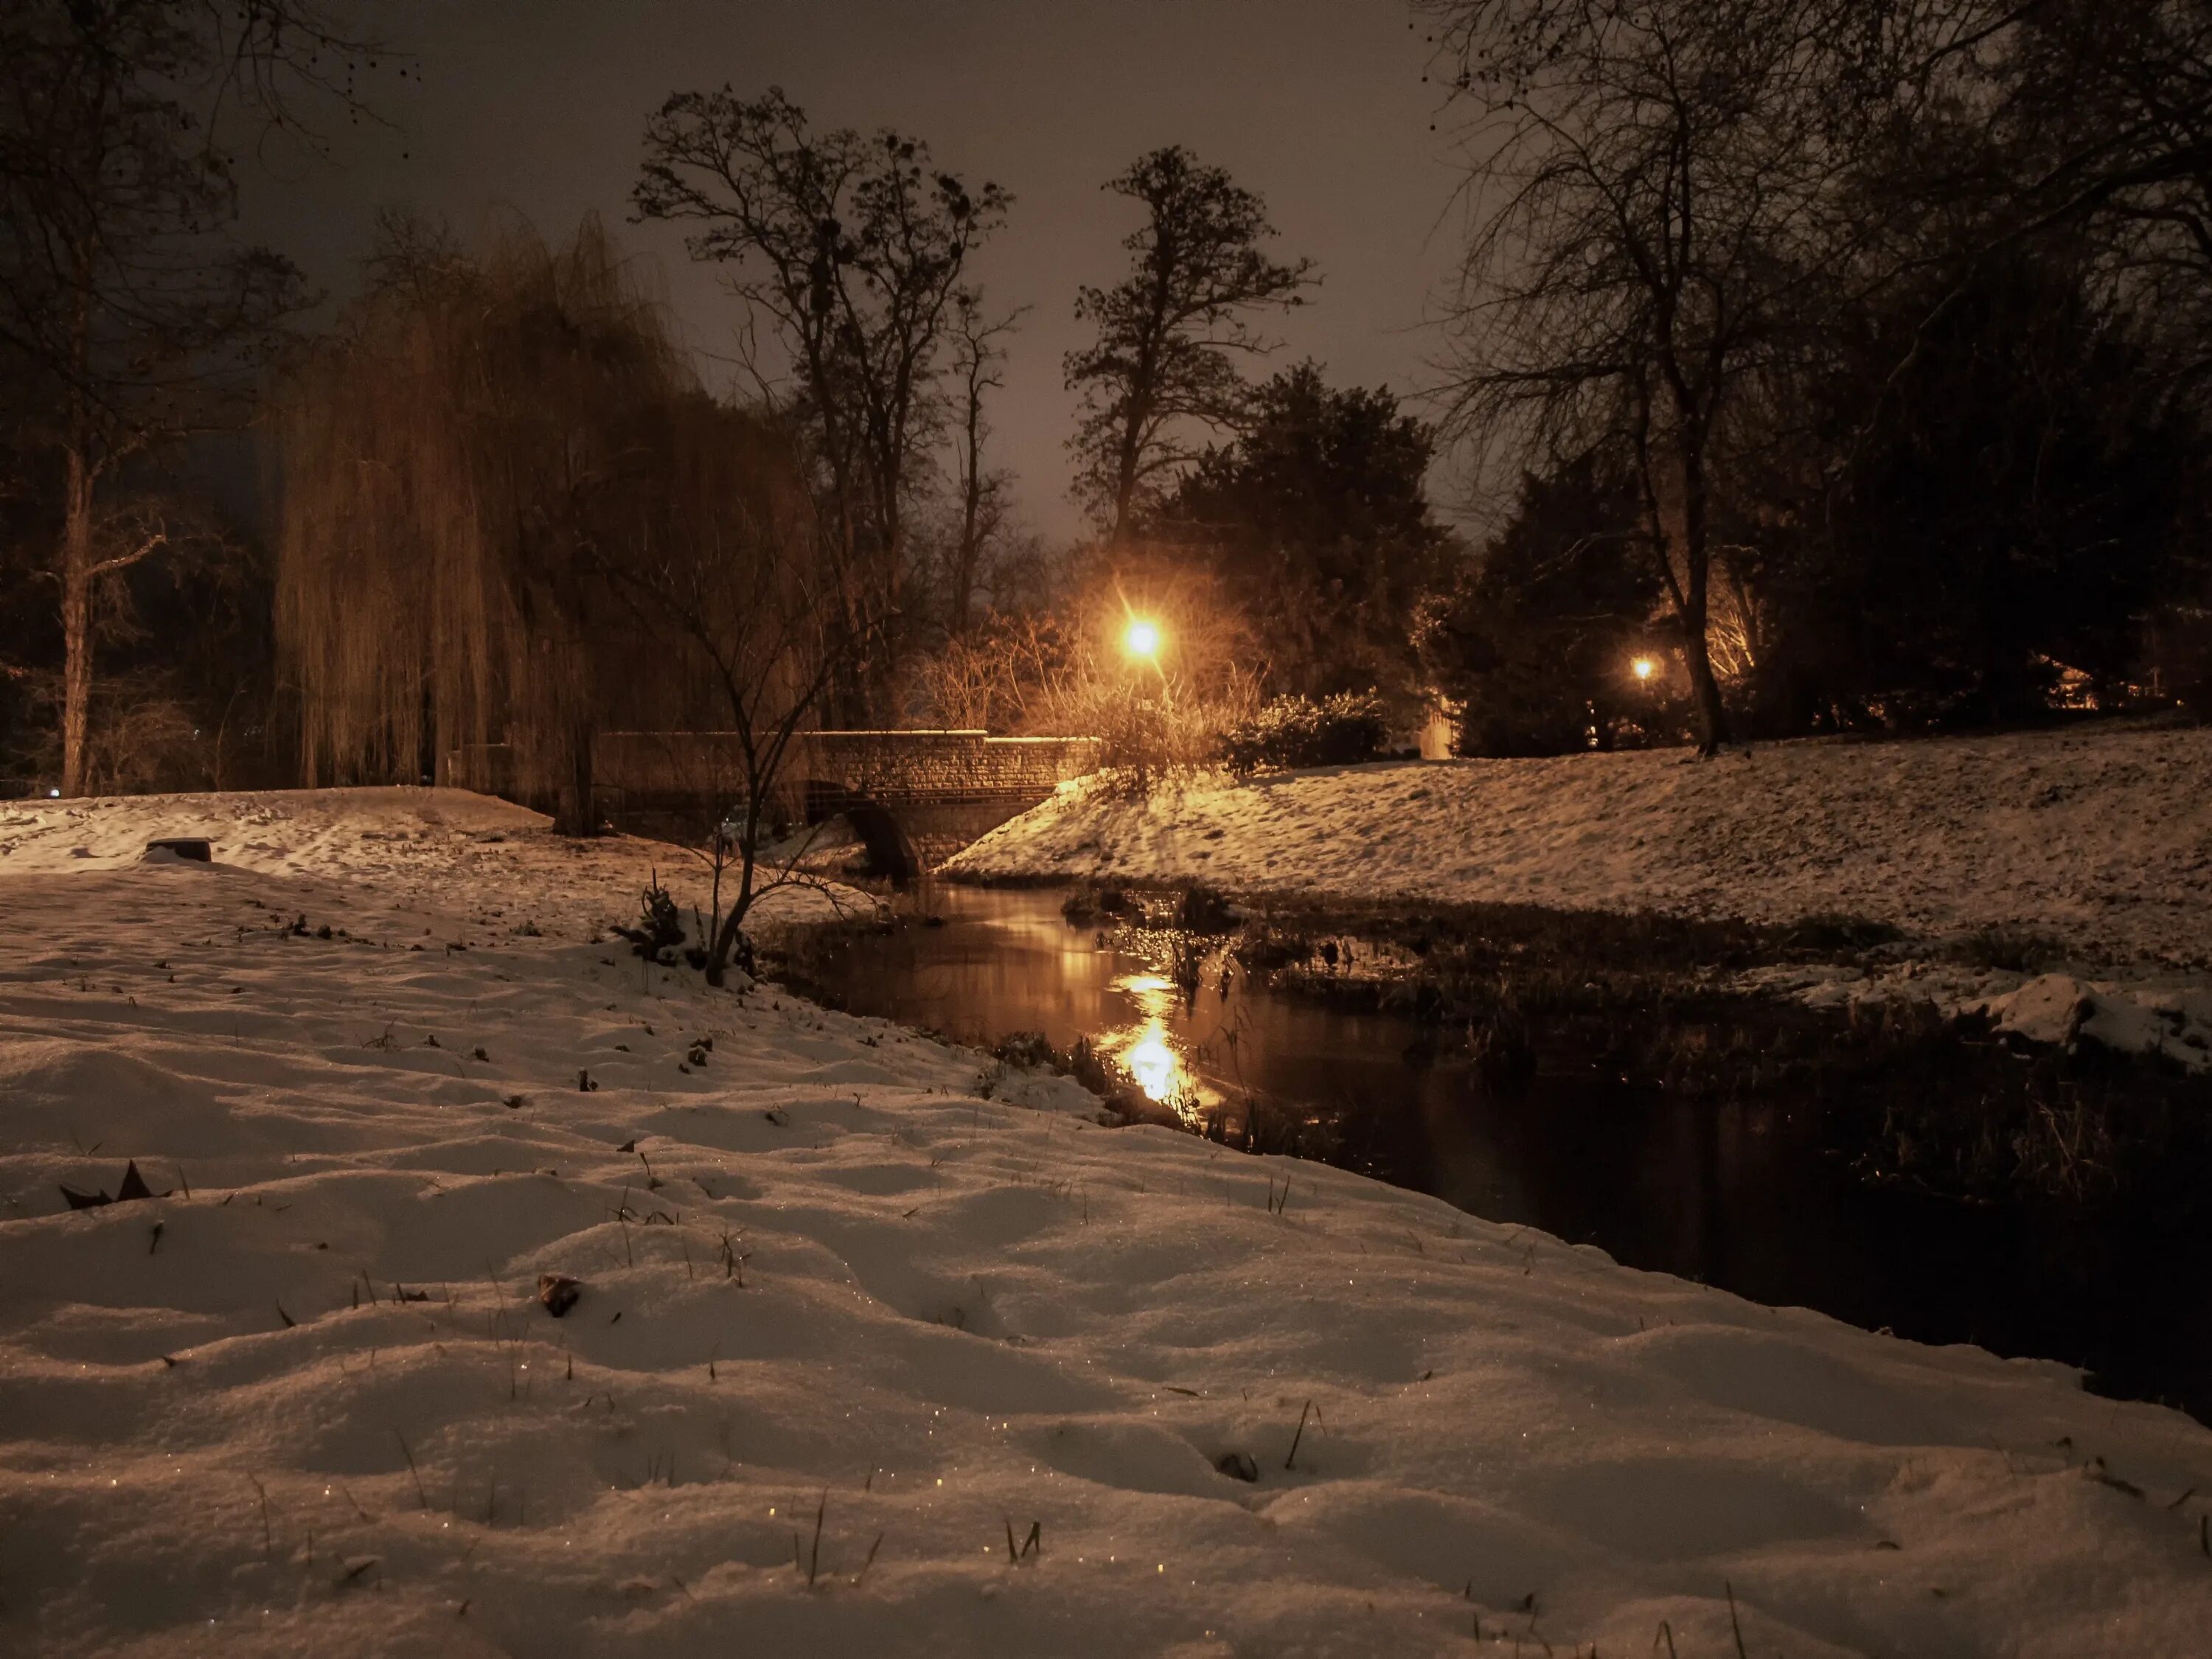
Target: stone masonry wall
[[663, 772]]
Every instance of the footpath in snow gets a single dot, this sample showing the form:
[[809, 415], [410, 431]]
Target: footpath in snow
[[876, 1349]]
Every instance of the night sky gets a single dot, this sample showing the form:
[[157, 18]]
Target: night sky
[[537, 106]]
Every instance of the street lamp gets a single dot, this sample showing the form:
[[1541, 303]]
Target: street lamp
[[1141, 639], [1644, 668]]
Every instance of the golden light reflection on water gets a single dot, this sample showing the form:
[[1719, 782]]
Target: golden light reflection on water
[[1148, 1052], [1152, 1060]]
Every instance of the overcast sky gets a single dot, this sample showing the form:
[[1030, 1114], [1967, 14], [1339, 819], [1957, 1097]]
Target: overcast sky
[[536, 107]]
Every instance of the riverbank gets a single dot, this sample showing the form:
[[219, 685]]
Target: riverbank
[[1584, 1075], [2057, 885], [2097, 838], [863, 1362], [1982, 962]]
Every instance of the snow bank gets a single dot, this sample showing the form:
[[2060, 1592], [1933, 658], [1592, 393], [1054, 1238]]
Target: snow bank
[[2102, 838], [2061, 1009], [847, 1329], [2170, 1017], [465, 856]]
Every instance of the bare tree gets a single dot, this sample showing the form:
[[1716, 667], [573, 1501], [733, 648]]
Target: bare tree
[[1652, 186], [735, 582], [979, 365], [122, 297], [1003, 673], [853, 252], [2098, 118], [1163, 366]]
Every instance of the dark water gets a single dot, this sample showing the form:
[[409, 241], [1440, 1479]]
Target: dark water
[[1741, 1198]]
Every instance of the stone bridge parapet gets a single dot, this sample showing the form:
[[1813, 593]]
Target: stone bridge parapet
[[945, 787]]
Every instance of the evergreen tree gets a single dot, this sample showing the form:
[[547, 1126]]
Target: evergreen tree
[[1537, 638], [1316, 523]]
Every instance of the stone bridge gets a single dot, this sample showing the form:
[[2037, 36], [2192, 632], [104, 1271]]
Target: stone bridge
[[916, 797]]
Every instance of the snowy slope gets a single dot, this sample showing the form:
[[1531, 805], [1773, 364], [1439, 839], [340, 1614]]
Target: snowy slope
[[315, 1408], [463, 854], [2101, 837]]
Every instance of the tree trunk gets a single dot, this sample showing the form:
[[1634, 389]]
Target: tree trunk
[[76, 624], [965, 559], [1130, 453], [1125, 465], [1125, 490], [1697, 570], [730, 929], [1705, 693], [578, 812]]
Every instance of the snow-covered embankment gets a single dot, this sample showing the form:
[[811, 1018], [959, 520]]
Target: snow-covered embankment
[[2102, 837], [846, 1326], [2098, 841]]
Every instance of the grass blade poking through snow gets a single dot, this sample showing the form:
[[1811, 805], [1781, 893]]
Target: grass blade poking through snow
[[420, 1497], [860, 1578]]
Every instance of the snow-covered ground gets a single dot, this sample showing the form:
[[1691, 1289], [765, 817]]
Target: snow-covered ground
[[845, 1328], [473, 859], [2164, 1013], [2101, 838]]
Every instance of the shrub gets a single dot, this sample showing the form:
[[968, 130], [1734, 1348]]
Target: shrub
[[1203, 909], [1028, 1050], [2008, 950], [1087, 904], [1339, 730], [660, 924], [2179, 656], [1148, 731]]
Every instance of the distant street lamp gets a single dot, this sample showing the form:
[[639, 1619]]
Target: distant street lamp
[[1141, 640], [1644, 668]]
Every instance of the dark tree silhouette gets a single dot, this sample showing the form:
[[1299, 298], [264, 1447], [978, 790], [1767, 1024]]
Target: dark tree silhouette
[[2013, 504], [985, 509], [125, 303], [853, 252], [1535, 637], [1316, 524], [1171, 331], [1655, 225]]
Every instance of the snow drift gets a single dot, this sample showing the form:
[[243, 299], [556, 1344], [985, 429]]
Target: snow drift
[[863, 1362]]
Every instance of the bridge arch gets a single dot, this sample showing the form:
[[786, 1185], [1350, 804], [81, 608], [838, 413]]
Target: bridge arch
[[938, 789], [891, 850]]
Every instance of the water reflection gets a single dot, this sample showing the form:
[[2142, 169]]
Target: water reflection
[[1153, 1055], [1740, 1196]]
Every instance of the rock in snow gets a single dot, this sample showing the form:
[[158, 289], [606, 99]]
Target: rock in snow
[[869, 1365]]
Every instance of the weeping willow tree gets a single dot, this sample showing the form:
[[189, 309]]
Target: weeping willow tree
[[470, 467]]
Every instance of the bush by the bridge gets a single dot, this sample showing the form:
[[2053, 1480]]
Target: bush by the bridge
[[1338, 731]]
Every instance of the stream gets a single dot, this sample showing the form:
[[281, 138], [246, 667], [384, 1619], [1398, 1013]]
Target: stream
[[1743, 1198]]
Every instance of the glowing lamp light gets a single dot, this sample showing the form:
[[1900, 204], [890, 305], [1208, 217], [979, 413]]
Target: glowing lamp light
[[1644, 668], [1142, 638]]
